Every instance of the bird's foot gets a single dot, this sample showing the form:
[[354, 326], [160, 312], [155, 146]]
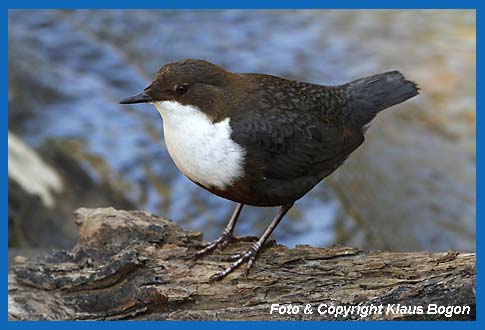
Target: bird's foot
[[249, 256], [221, 243]]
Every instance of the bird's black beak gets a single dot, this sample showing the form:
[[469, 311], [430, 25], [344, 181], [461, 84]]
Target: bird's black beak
[[143, 97]]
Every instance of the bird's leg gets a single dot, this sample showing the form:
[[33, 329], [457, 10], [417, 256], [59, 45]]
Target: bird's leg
[[250, 255], [226, 236]]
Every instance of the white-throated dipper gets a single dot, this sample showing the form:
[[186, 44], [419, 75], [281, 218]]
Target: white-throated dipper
[[262, 140]]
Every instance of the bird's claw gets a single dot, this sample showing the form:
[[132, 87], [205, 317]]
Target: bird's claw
[[220, 243], [249, 256]]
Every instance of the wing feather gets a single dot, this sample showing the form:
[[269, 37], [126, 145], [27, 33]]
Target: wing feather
[[286, 144]]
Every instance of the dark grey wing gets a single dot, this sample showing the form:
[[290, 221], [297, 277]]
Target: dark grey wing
[[292, 144]]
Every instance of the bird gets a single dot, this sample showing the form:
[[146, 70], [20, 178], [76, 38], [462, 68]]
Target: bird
[[262, 140]]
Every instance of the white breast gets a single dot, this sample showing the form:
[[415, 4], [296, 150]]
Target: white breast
[[202, 150]]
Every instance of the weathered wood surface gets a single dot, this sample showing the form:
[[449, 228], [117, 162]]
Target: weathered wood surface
[[134, 265]]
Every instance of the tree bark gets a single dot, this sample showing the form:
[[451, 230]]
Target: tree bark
[[134, 265]]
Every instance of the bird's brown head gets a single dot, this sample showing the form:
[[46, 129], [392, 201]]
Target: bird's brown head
[[189, 82]]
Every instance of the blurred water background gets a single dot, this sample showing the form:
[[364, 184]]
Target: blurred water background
[[411, 186]]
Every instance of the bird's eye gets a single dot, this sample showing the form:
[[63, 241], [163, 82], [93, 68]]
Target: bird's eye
[[181, 89]]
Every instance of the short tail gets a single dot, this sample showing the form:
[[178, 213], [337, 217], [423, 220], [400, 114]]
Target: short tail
[[368, 96]]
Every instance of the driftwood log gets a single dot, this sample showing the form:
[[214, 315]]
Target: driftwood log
[[134, 265]]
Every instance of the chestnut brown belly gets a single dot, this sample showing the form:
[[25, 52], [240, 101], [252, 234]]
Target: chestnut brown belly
[[265, 193]]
